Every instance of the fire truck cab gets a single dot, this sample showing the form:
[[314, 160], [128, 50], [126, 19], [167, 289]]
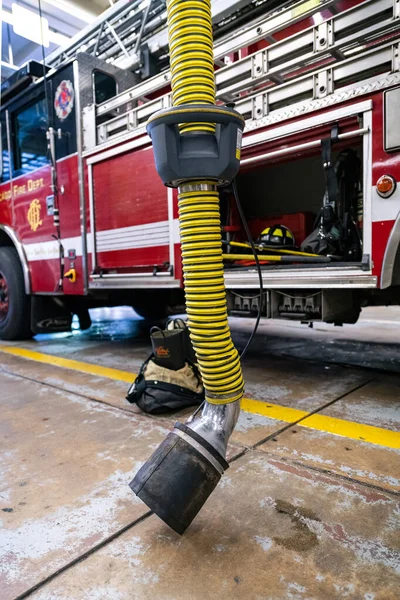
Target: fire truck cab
[[85, 220]]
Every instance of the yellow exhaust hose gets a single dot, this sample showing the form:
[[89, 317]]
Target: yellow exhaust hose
[[217, 357], [191, 56], [193, 82], [196, 148]]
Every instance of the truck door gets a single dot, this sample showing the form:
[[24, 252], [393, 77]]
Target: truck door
[[31, 117], [31, 184], [63, 103]]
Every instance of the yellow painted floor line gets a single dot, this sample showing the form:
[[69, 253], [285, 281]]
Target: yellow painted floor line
[[272, 411], [354, 431], [348, 429], [66, 363]]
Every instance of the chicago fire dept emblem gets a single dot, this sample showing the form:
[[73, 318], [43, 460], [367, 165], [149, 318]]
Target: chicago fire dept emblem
[[64, 99], [33, 215]]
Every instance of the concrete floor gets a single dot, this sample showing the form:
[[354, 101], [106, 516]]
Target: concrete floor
[[309, 508]]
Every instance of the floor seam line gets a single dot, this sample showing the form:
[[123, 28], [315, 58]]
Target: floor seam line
[[344, 478], [125, 411], [143, 416], [313, 412], [83, 556], [162, 423]]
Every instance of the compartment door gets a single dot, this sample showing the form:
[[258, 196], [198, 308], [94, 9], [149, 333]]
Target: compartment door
[[130, 217]]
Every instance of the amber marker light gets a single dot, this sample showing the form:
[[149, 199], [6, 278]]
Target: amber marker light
[[385, 186]]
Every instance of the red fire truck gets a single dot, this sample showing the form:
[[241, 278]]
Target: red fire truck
[[85, 220]]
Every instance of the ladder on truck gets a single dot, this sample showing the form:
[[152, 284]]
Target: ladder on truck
[[354, 52], [133, 33]]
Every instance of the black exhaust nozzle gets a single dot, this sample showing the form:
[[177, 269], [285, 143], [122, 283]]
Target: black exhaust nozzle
[[179, 477]]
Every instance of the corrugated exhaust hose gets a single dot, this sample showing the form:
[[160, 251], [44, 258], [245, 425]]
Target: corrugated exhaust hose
[[200, 229], [190, 145], [191, 51]]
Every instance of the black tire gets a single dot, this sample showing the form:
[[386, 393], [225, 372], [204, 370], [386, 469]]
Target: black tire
[[14, 321], [152, 306]]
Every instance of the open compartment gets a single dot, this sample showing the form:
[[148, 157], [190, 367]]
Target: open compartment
[[290, 189]]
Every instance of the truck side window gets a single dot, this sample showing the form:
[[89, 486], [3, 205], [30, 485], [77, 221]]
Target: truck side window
[[105, 87], [29, 128], [5, 158]]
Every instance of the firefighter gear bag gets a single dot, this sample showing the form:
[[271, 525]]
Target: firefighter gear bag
[[158, 390]]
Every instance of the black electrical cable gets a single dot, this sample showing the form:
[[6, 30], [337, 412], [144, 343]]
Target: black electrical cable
[[253, 249]]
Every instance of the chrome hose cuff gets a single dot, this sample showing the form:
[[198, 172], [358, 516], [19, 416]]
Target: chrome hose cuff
[[216, 424]]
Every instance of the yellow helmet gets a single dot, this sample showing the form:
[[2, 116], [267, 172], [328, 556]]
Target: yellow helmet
[[277, 235]]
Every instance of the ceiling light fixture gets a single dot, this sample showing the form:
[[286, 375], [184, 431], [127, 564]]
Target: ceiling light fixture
[[53, 36], [73, 9]]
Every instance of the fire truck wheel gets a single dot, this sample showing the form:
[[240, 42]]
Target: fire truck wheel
[[14, 303], [151, 306]]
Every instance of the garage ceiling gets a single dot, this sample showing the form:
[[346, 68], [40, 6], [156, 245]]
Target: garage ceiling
[[65, 19]]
